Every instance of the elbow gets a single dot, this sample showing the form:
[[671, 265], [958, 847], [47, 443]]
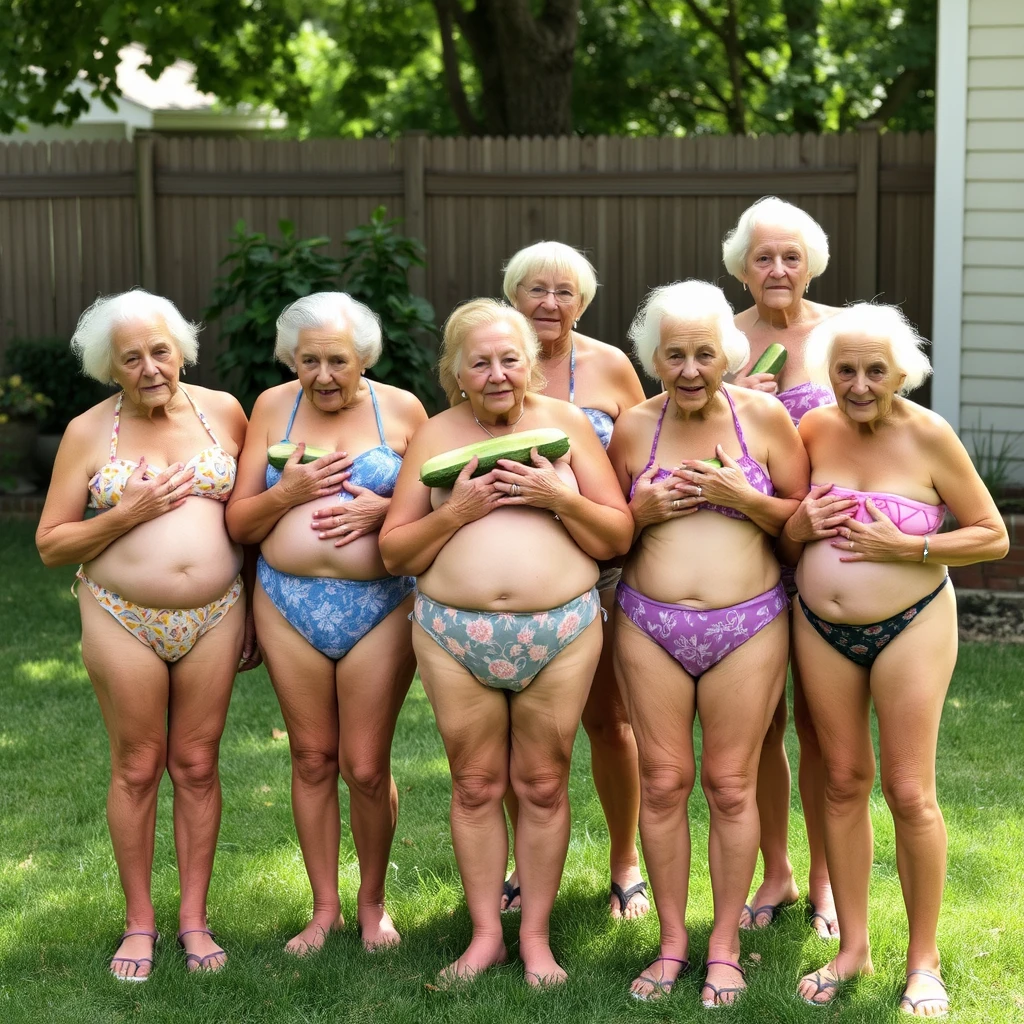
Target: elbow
[[622, 541], [1002, 545], [392, 559], [47, 550]]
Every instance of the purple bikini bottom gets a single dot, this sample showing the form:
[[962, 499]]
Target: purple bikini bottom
[[700, 638]]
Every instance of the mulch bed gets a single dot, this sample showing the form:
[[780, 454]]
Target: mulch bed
[[991, 616]]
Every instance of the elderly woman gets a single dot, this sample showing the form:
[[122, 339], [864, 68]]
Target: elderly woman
[[161, 600], [333, 623], [877, 621], [776, 250], [701, 626], [552, 285], [506, 654]]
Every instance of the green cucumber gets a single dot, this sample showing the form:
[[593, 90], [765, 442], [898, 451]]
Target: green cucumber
[[278, 454], [772, 359], [714, 463], [442, 470]]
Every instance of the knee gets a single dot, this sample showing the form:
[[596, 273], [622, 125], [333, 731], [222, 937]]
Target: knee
[[664, 788], [730, 792], [313, 767], [474, 790], [911, 801], [608, 728], [194, 769], [138, 767], [366, 776], [848, 784], [805, 728], [543, 788]]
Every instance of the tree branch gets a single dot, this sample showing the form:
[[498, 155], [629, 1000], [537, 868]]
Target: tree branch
[[453, 79], [902, 87]]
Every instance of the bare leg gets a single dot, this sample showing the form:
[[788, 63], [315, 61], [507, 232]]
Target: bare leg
[[373, 679], [304, 680], [131, 685], [200, 693], [908, 684], [735, 701], [662, 705], [615, 769], [544, 719], [474, 725], [837, 696]]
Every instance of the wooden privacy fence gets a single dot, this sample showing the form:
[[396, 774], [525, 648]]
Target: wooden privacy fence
[[82, 219]]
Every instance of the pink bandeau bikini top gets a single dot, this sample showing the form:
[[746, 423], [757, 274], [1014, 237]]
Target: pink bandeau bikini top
[[914, 518]]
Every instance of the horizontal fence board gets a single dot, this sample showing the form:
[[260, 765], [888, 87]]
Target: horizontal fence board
[[64, 186], [275, 184]]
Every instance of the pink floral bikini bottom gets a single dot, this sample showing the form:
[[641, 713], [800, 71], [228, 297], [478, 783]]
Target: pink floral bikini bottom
[[505, 650]]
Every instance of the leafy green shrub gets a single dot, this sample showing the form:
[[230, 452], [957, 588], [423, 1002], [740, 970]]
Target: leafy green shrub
[[376, 271], [993, 459], [265, 277], [48, 366]]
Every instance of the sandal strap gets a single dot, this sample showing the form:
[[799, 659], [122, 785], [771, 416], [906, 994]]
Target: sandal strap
[[728, 963], [928, 974], [153, 935]]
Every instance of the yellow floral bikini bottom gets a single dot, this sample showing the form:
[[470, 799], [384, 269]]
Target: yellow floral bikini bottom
[[170, 632]]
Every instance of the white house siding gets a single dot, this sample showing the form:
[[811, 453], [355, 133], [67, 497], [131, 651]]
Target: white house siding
[[992, 345]]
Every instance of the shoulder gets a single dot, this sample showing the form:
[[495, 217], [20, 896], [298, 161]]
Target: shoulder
[[639, 420], [821, 312], [91, 424], [608, 359], [758, 406], [819, 420], [930, 427], [276, 398], [219, 403], [399, 402], [745, 319]]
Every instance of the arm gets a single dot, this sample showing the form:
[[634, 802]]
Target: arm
[[63, 537], [253, 510]]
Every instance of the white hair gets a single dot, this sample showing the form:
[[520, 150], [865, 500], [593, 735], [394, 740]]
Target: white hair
[[325, 310], [93, 340], [692, 302], [883, 323], [554, 258], [778, 213]]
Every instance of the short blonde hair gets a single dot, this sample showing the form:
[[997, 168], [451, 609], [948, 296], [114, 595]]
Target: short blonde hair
[[471, 316], [692, 302], [884, 323], [770, 210], [93, 340], [328, 309], [555, 258]]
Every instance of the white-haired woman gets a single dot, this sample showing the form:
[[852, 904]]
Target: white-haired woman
[[700, 628], [333, 623], [877, 621], [552, 284], [776, 250], [161, 597], [507, 631]]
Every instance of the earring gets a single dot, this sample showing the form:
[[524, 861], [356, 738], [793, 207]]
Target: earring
[[744, 285], [575, 324], [183, 371], [463, 393], [807, 287]]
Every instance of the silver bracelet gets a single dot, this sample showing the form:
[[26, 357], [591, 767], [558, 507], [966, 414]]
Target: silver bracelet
[[924, 557]]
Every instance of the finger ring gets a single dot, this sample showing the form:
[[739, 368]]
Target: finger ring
[[700, 491], [513, 490], [851, 545], [677, 502]]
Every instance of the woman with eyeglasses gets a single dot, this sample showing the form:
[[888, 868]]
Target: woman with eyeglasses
[[552, 285]]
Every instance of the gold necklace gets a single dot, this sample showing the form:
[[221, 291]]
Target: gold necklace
[[514, 425]]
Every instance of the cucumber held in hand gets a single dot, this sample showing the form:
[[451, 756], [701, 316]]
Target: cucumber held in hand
[[772, 359], [713, 463], [278, 454], [442, 470]]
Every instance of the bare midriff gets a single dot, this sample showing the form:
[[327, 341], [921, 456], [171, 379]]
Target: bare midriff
[[182, 559], [515, 559], [293, 546], [861, 592], [706, 560]]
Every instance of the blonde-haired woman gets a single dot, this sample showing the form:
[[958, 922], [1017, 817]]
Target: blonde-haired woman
[[553, 284], [507, 632]]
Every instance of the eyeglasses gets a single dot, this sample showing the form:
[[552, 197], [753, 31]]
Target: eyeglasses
[[563, 296]]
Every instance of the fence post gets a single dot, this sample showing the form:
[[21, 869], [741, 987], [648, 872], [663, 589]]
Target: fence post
[[145, 211], [865, 276], [414, 147]]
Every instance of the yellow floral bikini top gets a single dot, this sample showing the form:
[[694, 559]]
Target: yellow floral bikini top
[[215, 468]]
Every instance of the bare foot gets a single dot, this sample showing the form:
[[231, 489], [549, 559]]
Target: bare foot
[[312, 938], [133, 959], [822, 986], [540, 968], [658, 977], [636, 903], [202, 953], [376, 927], [823, 912], [483, 952], [510, 893], [769, 899], [925, 994]]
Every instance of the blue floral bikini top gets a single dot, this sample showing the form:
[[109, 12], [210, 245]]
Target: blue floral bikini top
[[375, 469], [602, 423]]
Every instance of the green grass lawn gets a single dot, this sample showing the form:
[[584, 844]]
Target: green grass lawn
[[61, 908]]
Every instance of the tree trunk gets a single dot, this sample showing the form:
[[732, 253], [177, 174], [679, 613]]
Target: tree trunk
[[525, 64], [802, 29]]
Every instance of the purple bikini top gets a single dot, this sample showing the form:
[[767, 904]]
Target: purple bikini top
[[803, 398], [915, 518], [756, 476]]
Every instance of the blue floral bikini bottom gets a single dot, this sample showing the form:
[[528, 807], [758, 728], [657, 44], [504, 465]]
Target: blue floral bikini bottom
[[862, 644], [505, 650], [333, 615]]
